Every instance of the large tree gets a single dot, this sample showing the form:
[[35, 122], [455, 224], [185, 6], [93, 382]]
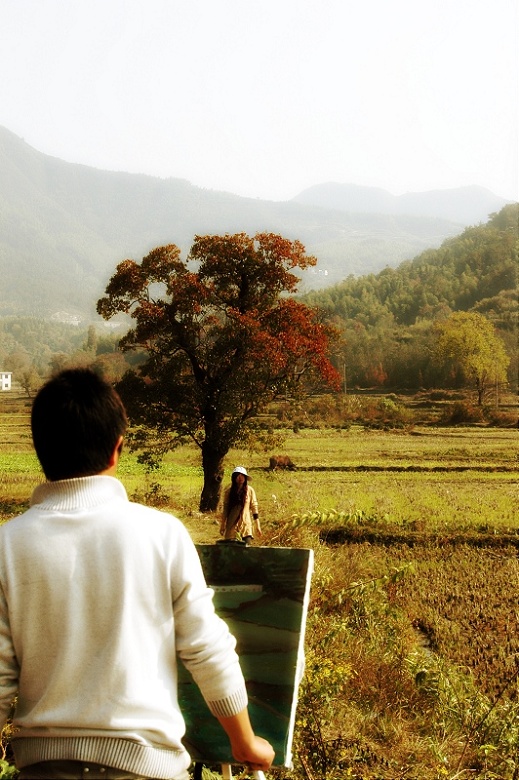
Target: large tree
[[469, 347], [221, 338]]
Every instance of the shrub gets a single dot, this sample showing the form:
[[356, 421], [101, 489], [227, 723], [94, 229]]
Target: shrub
[[462, 412]]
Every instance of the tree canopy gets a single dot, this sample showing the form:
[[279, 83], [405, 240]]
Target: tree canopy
[[467, 343], [221, 338]]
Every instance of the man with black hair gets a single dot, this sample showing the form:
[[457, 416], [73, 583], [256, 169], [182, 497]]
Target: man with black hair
[[98, 598]]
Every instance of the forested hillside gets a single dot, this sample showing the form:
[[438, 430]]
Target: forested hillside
[[388, 319]]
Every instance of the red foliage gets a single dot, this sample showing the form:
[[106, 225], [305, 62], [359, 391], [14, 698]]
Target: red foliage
[[222, 341]]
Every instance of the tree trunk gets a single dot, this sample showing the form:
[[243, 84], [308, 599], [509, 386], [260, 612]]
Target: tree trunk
[[212, 464], [480, 388]]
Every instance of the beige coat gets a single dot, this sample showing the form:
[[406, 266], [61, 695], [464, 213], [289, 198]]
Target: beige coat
[[239, 521]]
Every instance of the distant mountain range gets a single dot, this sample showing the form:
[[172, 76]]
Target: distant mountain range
[[64, 227], [465, 205]]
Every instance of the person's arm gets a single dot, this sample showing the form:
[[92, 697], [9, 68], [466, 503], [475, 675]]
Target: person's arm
[[247, 748], [8, 663], [225, 509], [255, 511]]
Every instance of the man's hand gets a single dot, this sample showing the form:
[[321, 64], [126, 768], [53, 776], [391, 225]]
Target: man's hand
[[259, 754], [247, 748]]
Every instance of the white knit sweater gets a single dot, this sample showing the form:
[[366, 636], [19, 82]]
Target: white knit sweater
[[98, 595]]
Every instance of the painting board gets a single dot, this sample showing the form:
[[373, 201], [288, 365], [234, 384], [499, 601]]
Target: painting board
[[262, 593]]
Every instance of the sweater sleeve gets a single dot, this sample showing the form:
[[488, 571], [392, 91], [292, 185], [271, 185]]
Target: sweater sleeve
[[8, 663], [225, 504], [203, 640]]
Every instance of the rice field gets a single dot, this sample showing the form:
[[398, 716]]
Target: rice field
[[413, 636]]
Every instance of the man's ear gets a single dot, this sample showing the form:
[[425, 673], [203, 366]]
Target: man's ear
[[114, 458]]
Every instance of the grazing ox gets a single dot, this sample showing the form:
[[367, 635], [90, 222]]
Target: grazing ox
[[281, 462]]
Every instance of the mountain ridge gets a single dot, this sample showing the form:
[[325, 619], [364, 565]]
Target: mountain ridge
[[64, 227], [465, 205]]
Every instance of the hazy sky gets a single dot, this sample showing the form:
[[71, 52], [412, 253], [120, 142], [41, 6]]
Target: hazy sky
[[266, 97]]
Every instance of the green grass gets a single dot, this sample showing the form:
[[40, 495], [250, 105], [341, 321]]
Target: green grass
[[413, 637]]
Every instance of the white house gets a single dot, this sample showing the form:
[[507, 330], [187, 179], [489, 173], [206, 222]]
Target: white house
[[5, 380]]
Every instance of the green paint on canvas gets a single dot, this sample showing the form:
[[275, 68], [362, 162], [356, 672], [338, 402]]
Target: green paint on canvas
[[262, 593]]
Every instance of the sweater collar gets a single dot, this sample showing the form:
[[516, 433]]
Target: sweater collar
[[80, 493]]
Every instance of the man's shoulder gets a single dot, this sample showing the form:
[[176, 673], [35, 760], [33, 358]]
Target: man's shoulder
[[11, 523], [154, 515]]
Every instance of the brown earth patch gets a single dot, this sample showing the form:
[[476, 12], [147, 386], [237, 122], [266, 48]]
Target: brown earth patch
[[389, 537]]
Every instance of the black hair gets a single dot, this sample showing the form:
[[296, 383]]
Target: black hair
[[238, 493], [77, 419]]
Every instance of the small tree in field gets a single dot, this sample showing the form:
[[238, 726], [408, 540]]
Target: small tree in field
[[468, 344], [220, 342]]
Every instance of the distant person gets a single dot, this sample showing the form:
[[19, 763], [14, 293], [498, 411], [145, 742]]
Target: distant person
[[240, 514], [98, 598]]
